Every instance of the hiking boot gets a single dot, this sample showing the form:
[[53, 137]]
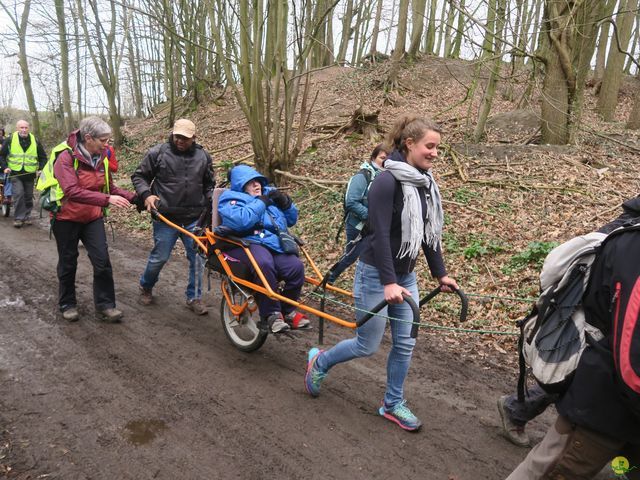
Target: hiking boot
[[110, 315], [297, 320], [277, 323], [401, 415], [314, 376], [145, 298], [18, 223], [71, 314], [197, 307], [514, 433], [27, 221]]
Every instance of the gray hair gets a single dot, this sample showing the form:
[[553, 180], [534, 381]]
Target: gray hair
[[94, 126]]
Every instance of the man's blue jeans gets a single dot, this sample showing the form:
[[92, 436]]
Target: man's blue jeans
[[164, 238], [368, 292]]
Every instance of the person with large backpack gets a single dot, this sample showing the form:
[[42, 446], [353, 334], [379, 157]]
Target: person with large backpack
[[599, 412], [405, 218], [356, 210], [516, 412], [78, 182]]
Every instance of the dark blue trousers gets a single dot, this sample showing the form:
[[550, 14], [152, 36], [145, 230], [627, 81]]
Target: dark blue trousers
[[276, 267], [350, 255]]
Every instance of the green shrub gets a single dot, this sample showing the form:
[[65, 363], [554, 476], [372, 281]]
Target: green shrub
[[534, 255]]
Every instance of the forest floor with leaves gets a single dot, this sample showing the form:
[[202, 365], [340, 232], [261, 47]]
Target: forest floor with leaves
[[165, 395]]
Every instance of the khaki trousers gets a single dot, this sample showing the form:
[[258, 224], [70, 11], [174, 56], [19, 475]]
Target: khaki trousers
[[570, 452]]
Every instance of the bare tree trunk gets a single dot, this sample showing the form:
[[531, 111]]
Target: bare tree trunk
[[535, 37], [487, 99], [21, 31], [633, 123], [457, 43], [430, 37], [612, 78], [106, 57], [399, 50], [571, 29], [64, 65], [417, 26], [347, 19], [603, 40], [634, 45], [376, 29], [448, 43], [79, 66], [441, 28]]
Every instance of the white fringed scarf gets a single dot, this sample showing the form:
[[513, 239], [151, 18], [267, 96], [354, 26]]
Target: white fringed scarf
[[414, 229]]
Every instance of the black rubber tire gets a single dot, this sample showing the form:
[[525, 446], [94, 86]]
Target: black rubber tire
[[243, 333]]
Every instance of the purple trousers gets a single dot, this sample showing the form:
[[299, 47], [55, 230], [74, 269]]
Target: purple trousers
[[276, 267]]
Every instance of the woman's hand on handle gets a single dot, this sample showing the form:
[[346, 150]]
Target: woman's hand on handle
[[448, 284], [118, 201], [393, 293]]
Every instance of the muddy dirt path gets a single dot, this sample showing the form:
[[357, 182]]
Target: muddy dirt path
[[165, 396]]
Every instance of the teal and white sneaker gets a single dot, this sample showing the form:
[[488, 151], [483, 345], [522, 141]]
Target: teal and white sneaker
[[314, 377], [401, 415]]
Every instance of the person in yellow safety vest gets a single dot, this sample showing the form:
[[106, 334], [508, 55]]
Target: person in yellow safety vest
[[21, 156]]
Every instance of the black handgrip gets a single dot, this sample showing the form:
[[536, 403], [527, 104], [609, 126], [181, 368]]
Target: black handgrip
[[414, 309], [464, 301]]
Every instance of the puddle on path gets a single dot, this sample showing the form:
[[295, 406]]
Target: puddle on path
[[143, 432]]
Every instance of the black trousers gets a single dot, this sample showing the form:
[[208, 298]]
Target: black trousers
[[94, 238]]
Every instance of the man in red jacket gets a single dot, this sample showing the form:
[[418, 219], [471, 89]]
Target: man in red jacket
[[88, 190]]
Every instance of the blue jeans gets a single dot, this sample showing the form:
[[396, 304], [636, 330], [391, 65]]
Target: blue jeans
[[164, 238], [368, 292], [351, 252]]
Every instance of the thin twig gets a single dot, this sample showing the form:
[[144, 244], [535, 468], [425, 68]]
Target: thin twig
[[468, 207]]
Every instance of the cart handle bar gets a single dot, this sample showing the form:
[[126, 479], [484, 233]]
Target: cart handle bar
[[414, 310]]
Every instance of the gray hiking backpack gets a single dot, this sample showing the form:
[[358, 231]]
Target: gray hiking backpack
[[555, 333]]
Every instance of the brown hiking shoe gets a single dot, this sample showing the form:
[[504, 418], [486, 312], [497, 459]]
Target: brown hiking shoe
[[515, 433], [197, 307], [146, 298], [110, 315], [71, 314]]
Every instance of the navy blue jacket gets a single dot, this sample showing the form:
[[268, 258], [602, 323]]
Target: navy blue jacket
[[384, 237]]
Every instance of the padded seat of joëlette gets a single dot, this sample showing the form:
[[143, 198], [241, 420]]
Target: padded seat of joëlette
[[238, 268]]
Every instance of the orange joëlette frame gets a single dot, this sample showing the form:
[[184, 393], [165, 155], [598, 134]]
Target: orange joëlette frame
[[210, 238]]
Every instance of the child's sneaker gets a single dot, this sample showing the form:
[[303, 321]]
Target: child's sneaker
[[314, 377], [401, 415], [297, 320], [277, 323]]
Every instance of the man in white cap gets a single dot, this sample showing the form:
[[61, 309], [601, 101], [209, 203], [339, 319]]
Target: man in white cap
[[177, 179]]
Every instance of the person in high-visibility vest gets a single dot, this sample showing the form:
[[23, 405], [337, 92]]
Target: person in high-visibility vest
[[21, 156]]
